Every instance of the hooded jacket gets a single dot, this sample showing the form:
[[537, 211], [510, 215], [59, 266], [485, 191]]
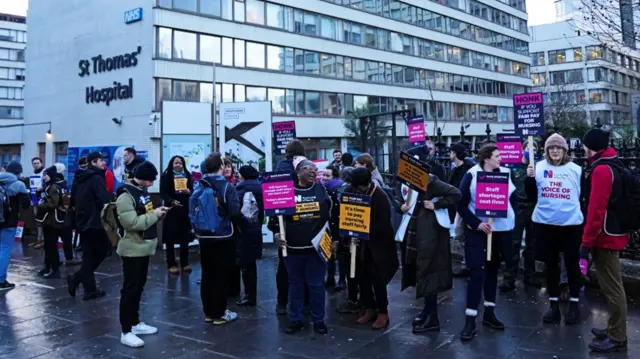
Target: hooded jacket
[[135, 223], [88, 196], [18, 197], [50, 208]]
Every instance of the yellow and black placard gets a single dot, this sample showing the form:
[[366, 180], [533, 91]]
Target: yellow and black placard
[[307, 207], [180, 183], [355, 215], [413, 172], [322, 243]]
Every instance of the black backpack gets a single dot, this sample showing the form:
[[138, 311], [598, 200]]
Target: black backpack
[[626, 205]]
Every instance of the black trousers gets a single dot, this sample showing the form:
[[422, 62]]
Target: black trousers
[[51, 255], [373, 292], [344, 266], [250, 280], [134, 273], [171, 255], [217, 259], [234, 283], [556, 240], [282, 283], [96, 244], [67, 237]]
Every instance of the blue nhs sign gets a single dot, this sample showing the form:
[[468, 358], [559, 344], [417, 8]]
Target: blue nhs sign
[[133, 15]]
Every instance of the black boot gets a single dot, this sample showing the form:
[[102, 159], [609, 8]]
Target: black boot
[[469, 330], [552, 315], [431, 324], [573, 314], [421, 318], [490, 320], [600, 334], [607, 346]]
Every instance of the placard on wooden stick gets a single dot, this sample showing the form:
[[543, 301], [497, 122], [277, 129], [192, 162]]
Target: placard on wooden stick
[[492, 199], [279, 198], [413, 172]]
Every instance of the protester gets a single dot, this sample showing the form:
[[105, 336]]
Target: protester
[[337, 159], [71, 217], [13, 197], [38, 168], [229, 172], [138, 220], [458, 156], [427, 153], [110, 179], [604, 236], [305, 267], [249, 240], [378, 258], [176, 228], [350, 306], [217, 247], [484, 274], [365, 160], [51, 217], [635, 170], [131, 161], [66, 234], [332, 183], [426, 251], [523, 206], [89, 196], [555, 182]]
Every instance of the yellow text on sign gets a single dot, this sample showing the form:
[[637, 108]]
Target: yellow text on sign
[[355, 218], [307, 207], [325, 245], [180, 184]]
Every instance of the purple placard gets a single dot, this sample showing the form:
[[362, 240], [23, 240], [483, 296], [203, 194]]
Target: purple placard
[[415, 127], [278, 193], [510, 147], [528, 114], [492, 194], [284, 132]]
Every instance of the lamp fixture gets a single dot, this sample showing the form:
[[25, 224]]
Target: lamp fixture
[[117, 121]]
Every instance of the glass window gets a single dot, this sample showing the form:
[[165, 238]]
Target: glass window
[[340, 67], [311, 62], [227, 51], [359, 72], [239, 93], [348, 72], [256, 94], [189, 5], [184, 45], [275, 15], [577, 54], [255, 55], [275, 58], [210, 48], [310, 24], [238, 56], [206, 92], [312, 101], [255, 11], [299, 61], [238, 11], [278, 100], [328, 65], [396, 42], [557, 57], [165, 3], [185, 91], [288, 60], [328, 29], [164, 43], [291, 102], [227, 9], [537, 59], [330, 104], [164, 91], [210, 7], [299, 102]]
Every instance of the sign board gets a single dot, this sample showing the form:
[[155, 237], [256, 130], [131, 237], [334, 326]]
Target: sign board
[[113, 158], [283, 132], [355, 216], [133, 15], [510, 147], [321, 165], [35, 182], [245, 133], [323, 243], [413, 172], [415, 128], [528, 113], [278, 193], [492, 194]]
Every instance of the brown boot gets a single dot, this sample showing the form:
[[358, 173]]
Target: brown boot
[[174, 270], [368, 316], [186, 269], [382, 322]]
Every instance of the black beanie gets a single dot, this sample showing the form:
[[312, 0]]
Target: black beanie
[[596, 139], [94, 156], [146, 171], [52, 172], [460, 150], [360, 177], [249, 172]]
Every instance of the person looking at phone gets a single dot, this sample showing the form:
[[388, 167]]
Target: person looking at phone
[[139, 220]]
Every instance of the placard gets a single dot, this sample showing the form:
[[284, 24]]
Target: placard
[[413, 172], [278, 193], [492, 194], [528, 113], [510, 147], [415, 127], [283, 133], [35, 182], [322, 242], [355, 215], [180, 184]]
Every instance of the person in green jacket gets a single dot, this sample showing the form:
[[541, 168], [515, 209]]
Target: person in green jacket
[[50, 215], [138, 219]]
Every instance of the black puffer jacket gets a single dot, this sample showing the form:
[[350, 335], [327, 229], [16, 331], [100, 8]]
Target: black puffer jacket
[[88, 197]]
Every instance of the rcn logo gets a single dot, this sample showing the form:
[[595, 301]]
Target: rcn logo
[[548, 174], [133, 15]]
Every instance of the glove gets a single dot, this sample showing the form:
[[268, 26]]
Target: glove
[[584, 252]]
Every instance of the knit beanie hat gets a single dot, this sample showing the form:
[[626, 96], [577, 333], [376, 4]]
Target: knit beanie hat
[[360, 176], [146, 171], [60, 167], [460, 150], [52, 172], [249, 172], [556, 140], [14, 167], [297, 160], [596, 139]]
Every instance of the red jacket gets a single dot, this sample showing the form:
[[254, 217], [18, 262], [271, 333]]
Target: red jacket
[[110, 179], [601, 186]]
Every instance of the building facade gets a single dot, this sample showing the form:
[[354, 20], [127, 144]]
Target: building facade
[[582, 78], [457, 62], [13, 41]]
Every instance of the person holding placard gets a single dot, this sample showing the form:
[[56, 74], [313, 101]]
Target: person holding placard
[[378, 259], [558, 218], [332, 183], [176, 186], [305, 266], [484, 272], [35, 183]]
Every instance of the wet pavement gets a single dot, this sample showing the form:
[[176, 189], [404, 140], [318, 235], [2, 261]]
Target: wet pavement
[[39, 319]]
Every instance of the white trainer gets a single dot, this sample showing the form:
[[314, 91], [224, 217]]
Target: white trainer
[[131, 340], [143, 329], [228, 317]]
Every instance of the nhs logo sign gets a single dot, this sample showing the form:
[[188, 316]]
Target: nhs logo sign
[[133, 15]]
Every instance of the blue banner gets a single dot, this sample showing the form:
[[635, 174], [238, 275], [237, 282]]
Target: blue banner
[[113, 158]]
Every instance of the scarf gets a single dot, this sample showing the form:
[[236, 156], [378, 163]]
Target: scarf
[[333, 184]]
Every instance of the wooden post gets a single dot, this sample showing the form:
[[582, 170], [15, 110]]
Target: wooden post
[[353, 248], [530, 150], [282, 235], [489, 241]]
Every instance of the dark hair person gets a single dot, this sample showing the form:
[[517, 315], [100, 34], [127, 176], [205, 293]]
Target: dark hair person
[[176, 186], [332, 183], [484, 274]]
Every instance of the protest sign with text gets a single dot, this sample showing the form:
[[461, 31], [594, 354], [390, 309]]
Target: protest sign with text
[[492, 194], [283, 132], [528, 114], [355, 215], [415, 127], [510, 147], [278, 193], [413, 172]]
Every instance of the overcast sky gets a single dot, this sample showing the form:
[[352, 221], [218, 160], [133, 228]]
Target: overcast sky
[[540, 11]]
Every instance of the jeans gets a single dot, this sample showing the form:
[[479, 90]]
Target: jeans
[[484, 274], [7, 237], [51, 255], [567, 240], [306, 269], [217, 259], [96, 244], [134, 272]]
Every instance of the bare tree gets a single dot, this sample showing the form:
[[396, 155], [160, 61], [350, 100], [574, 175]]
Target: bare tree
[[565, 110], [611, 22]]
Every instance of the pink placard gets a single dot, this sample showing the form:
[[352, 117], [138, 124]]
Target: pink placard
[[492, 194], [415, 127], [510, 148], [278, 193]]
